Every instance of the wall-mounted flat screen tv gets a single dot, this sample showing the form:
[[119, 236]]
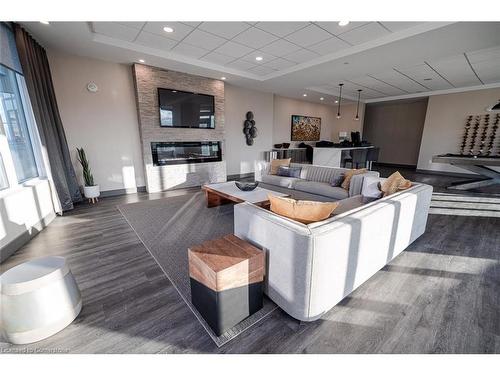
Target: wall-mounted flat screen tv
[[181, 109]]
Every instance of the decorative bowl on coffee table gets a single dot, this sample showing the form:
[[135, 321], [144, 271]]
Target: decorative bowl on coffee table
[[246, 186]]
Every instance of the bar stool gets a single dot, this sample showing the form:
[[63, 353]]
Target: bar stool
[[372, 156], [358, 158]]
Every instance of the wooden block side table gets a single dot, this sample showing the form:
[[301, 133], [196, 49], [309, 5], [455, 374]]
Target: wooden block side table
[[227, 276]]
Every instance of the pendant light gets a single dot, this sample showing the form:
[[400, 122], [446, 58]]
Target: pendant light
[[340, 99], [357, 108]]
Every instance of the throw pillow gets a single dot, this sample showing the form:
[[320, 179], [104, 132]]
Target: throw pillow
[[337, 179], [394, 183], [371, 187], [275, 164], [289, 171], [348, 176], [305, 212]]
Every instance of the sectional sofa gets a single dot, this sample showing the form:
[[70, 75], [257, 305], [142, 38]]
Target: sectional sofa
[[311, 268]]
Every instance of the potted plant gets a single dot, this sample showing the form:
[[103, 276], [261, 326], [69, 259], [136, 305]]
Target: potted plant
[[90, 190]]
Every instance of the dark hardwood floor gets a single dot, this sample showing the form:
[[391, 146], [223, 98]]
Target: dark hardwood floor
[[441, 295]]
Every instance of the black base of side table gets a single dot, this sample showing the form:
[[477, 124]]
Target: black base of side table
[[223, 310]]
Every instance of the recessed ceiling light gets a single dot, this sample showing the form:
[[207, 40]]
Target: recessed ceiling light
[[343, 23], [176, 91], [259, 58], [45, 22], [141, 60], [336, 101], [321, 98], [168, 29], [304, 94], [223, 78]]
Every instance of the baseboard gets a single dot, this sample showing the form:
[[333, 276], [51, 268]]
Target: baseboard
[[242, 175], [10, 248], [113, 193], [394, 165], [450, 174]]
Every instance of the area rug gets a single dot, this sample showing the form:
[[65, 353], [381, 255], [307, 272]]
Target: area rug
[[168, 227]]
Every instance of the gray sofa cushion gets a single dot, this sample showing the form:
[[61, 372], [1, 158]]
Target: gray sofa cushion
[[321, 188], [287, 182]]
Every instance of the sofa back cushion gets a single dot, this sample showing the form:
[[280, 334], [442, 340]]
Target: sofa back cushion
[[318, 173], [302, 211]]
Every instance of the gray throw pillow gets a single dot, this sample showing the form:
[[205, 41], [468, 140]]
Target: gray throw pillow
[[289, 171], [371, 187], [337, 180]]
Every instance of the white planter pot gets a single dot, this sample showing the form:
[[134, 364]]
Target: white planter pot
[[91, 191]]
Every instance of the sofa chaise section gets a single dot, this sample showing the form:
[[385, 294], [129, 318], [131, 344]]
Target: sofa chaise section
[[311, 268]]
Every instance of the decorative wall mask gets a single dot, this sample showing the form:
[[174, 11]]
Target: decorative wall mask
[[249, 128]]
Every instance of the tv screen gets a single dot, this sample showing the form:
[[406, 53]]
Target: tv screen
[[181, 109]]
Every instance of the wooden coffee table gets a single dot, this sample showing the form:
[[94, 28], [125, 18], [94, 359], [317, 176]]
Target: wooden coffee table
[[228, 192]]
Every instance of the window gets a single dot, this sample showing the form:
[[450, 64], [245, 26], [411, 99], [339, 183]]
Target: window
[[4, 182], [15, 126]]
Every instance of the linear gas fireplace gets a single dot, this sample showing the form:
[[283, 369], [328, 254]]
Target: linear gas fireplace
[[168, 153]]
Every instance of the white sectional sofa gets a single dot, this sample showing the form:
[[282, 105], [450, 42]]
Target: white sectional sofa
[[311, 268], [314, 182]]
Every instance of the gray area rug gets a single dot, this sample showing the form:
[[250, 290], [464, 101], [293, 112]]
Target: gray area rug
[[168, 227]]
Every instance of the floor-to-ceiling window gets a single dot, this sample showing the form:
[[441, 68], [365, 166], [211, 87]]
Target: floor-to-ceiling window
[[15, 128]]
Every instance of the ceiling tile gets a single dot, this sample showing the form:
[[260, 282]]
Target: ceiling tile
[[135, 25], [367, 82], [456, 69], [180, 29], [241, 64], [255, 38], [484, 54], [280, 48], [191, 23], [155, 41], [115, 30], [331, 45], [427, 77], [335, 29], [233, 49], [364, 33], [217, 58], [262, 70], [189, 50], [204, 40], [398, 26], [251, 57], [308, 36], [301, 56], [488, 70], [281, 28], [280, 64], [394, 78], [226, 30]]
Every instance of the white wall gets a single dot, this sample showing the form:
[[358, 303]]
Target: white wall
[[239, 156], [284, 108], [445, 121], [103, 123]]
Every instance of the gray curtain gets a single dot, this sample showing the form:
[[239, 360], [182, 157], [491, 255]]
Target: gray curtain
[[43, 100]]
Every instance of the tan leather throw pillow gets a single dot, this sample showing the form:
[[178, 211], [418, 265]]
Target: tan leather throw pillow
[[305, 212], [276, 163], [348, 176], [394, 183]]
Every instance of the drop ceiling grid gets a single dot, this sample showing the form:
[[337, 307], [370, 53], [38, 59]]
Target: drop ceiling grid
[[201, 39]]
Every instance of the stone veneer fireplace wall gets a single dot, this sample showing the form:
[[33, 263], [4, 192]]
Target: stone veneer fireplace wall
[[147, 80]]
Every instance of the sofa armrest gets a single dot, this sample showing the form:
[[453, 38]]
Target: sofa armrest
[[288, 248], [261, 168], [357, 182]]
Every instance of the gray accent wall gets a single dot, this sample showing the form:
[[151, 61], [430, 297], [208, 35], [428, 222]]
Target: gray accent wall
[[396, 127]]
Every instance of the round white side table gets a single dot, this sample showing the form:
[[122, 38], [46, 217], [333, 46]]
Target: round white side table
[[38, 298]]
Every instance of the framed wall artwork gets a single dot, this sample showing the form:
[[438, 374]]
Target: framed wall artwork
[[305, 128]]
